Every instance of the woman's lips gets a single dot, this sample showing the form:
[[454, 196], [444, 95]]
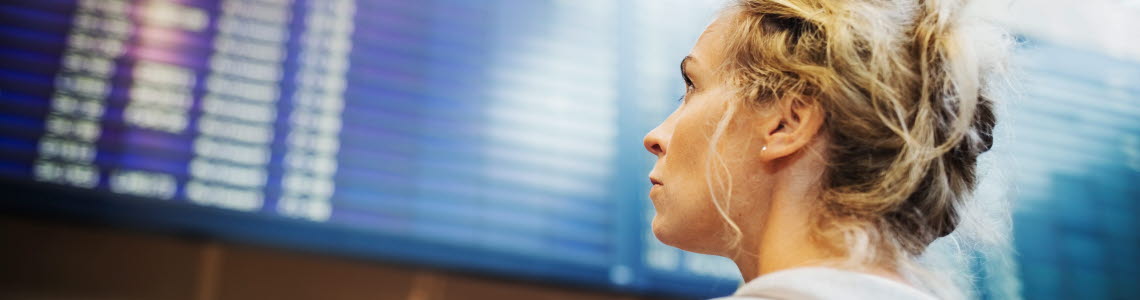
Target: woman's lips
[[656, 189]]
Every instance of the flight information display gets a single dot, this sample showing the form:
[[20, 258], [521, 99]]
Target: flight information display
[[488, 129]]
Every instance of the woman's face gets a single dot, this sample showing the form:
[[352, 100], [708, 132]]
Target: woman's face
[[683, 188]]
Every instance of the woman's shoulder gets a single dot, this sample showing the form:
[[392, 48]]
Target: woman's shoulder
[[824, 283]]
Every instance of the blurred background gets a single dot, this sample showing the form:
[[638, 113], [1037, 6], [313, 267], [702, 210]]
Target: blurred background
[[459, 149]]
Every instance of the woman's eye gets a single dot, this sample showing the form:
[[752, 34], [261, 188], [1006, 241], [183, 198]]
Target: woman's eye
[[688, 90]]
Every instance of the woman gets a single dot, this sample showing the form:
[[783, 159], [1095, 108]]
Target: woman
[[822, 145]]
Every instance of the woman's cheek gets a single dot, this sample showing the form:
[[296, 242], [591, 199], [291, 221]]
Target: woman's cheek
[[690, 140]]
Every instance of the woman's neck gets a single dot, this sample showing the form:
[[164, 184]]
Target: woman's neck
[[782, 243], [783, 237], [788, 249], [785, 242]]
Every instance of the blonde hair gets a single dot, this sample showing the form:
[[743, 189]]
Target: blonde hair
[[906, 88]]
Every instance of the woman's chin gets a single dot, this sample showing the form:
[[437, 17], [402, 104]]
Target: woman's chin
[[681, 236], [659, 230]]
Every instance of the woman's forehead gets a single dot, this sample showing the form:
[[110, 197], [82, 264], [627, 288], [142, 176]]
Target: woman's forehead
[[709, 49]]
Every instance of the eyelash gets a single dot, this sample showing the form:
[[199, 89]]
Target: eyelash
[[688, 88]]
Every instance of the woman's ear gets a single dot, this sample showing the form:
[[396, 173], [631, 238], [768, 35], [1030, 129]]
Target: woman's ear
[[791, 127]]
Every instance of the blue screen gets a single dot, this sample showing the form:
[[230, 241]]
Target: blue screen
[[481, 135]]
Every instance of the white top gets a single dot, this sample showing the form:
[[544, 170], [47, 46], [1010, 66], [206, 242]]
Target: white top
[[824, 283]]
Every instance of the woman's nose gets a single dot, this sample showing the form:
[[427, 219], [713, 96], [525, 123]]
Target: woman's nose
[[652, 143]]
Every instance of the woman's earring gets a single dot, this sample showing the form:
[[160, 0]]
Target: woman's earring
[[763, 148]]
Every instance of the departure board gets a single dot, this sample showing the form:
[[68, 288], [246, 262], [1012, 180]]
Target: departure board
[[1078, 169], [481, 135]]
